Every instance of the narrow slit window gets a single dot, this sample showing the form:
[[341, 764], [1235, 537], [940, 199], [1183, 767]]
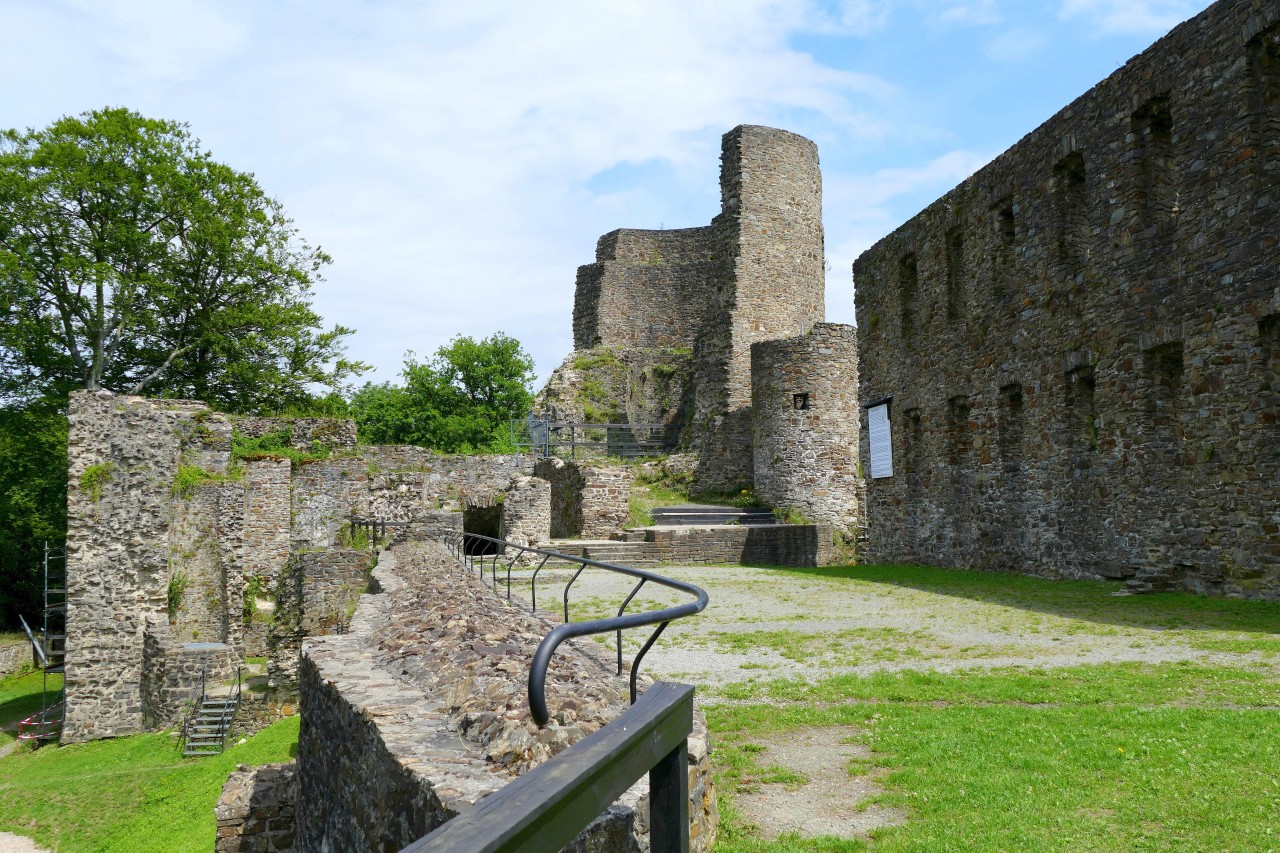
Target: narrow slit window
[[1071, 205], [913, 441], [1164, 374], [908, 284], [1153, 132], [1081, 406], [960, 428], [1009, 433], [955, 273]]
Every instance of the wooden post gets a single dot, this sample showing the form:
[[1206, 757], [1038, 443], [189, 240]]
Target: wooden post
[[669, 802]]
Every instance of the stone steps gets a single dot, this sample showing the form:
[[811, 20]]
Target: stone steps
[[708, 514]]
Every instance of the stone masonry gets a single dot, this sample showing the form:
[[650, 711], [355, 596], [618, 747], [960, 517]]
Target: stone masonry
[[167, 532], [588, 500], [1080, 344], [421, 710], [664, 320], [805, 425]]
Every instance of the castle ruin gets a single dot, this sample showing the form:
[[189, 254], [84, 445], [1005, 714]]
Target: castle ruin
[[668, 327], [1070, 362]]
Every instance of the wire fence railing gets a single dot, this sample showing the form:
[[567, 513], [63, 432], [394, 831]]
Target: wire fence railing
[[466, 548]]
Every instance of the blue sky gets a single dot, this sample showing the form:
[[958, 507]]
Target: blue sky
[[459, 159]]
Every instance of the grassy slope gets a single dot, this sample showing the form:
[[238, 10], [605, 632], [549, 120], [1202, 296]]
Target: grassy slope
[[126, 794], [1126, 756]]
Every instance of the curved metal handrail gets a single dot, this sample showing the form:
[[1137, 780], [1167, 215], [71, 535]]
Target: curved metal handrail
[[457, 543]]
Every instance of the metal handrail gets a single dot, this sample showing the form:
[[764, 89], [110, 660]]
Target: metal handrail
[[457, 543], [197, 701]]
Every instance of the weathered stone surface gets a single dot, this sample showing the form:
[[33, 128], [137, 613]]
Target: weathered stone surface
[[14, 658], [421, 710], [1080, 341], [256, 809], [664, 320], [588, 500], [805, 425]]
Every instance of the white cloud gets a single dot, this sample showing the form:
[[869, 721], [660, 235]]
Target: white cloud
[[441, 150], [1138, 17]]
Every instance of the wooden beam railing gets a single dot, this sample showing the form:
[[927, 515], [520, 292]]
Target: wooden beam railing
[[547, 807]]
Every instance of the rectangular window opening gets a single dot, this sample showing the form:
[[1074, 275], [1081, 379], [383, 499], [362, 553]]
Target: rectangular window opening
[[913, 441], [1164, 370], [800, 402], [960, 428], [1082, 414], [1011, 423], [955, 273], [908, 284], [1263, 54], [1269, 341], [1071, 207], [1153, 132]]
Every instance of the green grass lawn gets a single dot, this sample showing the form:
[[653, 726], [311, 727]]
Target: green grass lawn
[[125, 794], [1090, 757], [19, 699]]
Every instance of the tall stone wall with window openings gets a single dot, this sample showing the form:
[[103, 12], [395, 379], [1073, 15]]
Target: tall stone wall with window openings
[[1080, 341]]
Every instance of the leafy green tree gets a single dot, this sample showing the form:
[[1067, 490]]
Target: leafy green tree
[[130, 260], [33, 501], [460, 401]]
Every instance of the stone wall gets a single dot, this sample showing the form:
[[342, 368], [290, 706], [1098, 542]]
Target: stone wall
[[805, 425], [1080, 341], [15, 658], [770, 285], [256, 809], [166, 534], [123, 452], [764, 545], [421, 711], [172, 670], [706, 295], [646, 289], [588, 500], [526, 512]]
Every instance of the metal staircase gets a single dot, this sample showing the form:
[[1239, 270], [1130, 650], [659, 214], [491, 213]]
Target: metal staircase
[[208, 722], [49, 647]]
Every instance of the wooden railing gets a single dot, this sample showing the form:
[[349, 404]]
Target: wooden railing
[[547, 807]]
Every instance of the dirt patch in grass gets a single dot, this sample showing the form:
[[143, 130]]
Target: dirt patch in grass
[[806, 788]]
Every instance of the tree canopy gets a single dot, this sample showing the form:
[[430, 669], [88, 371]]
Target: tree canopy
[[131, 260], [459, 401]]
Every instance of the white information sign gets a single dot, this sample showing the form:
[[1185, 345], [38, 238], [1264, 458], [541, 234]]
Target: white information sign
[[881, 443]]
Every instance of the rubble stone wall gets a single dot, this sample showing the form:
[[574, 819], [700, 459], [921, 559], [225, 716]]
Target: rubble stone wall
[[420, 711], [589, 501], [805, 425], [256, 809], [165, 535], [1080, 341], [122, 454], [646, 289], [764, 545], [14, 658]]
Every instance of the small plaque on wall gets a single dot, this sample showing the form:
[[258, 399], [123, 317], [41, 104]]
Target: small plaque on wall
[[881, 441]]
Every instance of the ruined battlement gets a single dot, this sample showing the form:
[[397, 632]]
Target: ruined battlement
[[668, 246], [1080, 341]]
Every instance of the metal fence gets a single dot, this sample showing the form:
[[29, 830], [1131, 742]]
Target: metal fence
[[625, 441], [545, 809]]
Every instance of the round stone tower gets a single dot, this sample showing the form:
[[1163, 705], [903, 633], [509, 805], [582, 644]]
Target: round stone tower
[[805, 424]]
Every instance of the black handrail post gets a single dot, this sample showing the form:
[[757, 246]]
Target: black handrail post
[[669, 802]]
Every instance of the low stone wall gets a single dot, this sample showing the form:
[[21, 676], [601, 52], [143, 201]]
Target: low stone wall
[[14, 659], [420, 711], [767, 545], [260, 709], [256, 810], [587, 500]]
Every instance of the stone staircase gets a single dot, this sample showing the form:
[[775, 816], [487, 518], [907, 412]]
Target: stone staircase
[[706, 514], [634, 553], [207, 729]]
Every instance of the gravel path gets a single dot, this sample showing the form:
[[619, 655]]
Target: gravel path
[[10, 843], [772, 624]]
